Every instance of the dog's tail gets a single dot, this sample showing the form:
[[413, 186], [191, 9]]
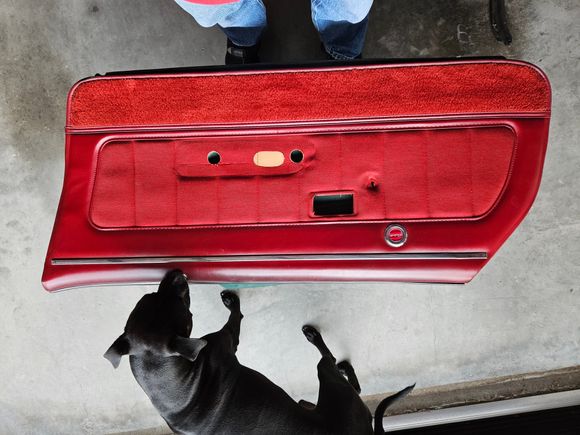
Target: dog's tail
[[385, 403]]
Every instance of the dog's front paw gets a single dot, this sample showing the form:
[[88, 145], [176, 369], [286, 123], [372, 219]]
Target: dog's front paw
[[311, 333], [230, 300]]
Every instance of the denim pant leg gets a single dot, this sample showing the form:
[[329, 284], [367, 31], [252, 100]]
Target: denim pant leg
[[243, 22], [342, 25]]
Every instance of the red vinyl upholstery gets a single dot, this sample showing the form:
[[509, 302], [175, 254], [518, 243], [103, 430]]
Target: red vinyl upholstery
[[451, 151], [419, 174]]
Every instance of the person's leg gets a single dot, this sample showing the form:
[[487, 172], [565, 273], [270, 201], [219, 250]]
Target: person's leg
[[342, 25], [243, 22]]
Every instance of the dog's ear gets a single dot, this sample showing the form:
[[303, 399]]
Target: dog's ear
[[188, 348], [119, 348]]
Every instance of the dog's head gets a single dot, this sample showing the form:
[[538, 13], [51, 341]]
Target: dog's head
[[160, 324]]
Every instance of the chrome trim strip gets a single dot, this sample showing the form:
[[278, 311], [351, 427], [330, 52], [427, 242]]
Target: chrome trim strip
[[283, 257], [480, 411]]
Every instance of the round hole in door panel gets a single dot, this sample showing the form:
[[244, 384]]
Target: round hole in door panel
[[296, 156], [428, 173], [213, 157]]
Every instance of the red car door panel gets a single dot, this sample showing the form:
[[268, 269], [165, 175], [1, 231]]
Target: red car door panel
[[407, 172]]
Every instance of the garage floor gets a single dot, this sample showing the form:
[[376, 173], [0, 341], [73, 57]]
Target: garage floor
[[519, 315]]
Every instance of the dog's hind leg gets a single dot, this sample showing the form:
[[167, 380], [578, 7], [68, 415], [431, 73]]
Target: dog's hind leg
[[338, 402], [347, 370], [232, 326], [314, 337], [344, 367]]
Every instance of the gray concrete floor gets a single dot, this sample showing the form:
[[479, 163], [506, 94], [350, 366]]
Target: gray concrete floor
[[519, 315]]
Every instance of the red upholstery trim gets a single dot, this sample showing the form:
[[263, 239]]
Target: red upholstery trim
[[418, 174], [425, 107], [307, 95], [237, 161]]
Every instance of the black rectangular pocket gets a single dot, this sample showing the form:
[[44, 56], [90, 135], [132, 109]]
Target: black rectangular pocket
[[333, 205]]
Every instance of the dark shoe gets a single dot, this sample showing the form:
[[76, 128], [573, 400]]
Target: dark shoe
[[329, 56], [237, 55]]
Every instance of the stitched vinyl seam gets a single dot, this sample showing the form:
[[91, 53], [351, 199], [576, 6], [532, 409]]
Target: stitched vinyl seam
[[470, 147], [300, 187], [340, 162], [217, 200], [290, 224], [385, 171], [258, 199], [134, 183], [425, 136], [451, 124], [292, 124], [176, 184]]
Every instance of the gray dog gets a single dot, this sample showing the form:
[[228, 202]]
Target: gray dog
[[199, 387]]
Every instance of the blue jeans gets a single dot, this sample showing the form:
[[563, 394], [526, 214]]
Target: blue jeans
[[342, 24]]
